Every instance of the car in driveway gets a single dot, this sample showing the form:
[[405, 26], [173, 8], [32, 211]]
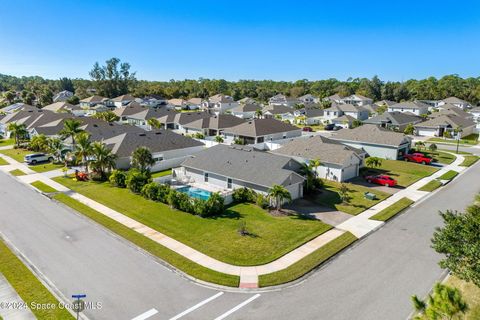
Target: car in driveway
[[307, 129], [332, 127], [35, 158], [418, 158], [382, 179]]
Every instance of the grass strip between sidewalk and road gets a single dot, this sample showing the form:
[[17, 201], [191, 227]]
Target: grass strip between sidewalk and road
[[469, 160], [393, 209], [449, 175], [43, 187], [28, 287], [193, 269], [308, 263], [3, 162], [430, 186], [17, 172]]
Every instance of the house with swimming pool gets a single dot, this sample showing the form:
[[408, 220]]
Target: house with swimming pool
[[224, 168]]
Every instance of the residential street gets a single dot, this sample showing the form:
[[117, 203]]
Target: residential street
[[373, 280]]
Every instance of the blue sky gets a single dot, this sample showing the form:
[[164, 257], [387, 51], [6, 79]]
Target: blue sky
[[279, 40]]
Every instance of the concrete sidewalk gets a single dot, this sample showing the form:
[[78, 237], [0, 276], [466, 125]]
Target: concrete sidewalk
[[17, 311]]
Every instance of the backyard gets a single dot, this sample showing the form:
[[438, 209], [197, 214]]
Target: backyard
[[269, 237], [404, 172], [329, 196], [19, 154]]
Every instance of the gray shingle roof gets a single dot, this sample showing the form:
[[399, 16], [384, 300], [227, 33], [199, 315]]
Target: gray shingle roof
[[277, 109], [219, 122], [248, 165], [394, 117], [410, 105], [248, 107], [446, 119], [369, 133], [454, 100], [59, 106], [261, 127]]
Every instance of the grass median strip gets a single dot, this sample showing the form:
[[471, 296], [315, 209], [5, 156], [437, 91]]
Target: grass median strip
[[28, 287], [308, 263], [3, 162], [43, 187], [469, 160], [430, 186], [449, 175], [193, 269], [393, 209], [17, 172]]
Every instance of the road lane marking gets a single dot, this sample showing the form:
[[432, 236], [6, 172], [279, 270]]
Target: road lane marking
[[146, 315], [241, 305], [198, 305]]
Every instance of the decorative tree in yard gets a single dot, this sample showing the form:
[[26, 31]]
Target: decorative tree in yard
[[18, 132], [419, 145], [343, 192], [55, 147], [71, 128], [278, 194], [218, 139], [103, 160], [409, 129], [314, 164], [373, 162], [445, 303], [142, 159], [432, 147], [83, 148], [154, 123]]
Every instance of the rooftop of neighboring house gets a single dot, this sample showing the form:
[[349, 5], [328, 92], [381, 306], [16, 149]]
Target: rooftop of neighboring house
[[220, 98], [385, 103], [62, 95], [356, 97], [371, 134], [261, 127], [281, 97], [474, 110], [18, 106], [197, 101], [247, 107], [319, 147], [131, 108], [101, 130], [177, 102], [410, 105], [277, 109], [215, 122], [346, 108], [454, 100], [449, 108], [233, 161], [313, 112], [371, 108], [333, 97], [447, 120], [344, 119], [158, 140], [307, 96], [247, 100], [59, 106], [94, 99], [32, 117], [123, 98], [394, 118]]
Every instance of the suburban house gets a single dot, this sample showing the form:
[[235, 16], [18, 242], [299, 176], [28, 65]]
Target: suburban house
[[375, 141], [138, 115], [247, 100], [230, 167], [386, 103], [335, 98], [60, 106], [92, 101], [462, 104], [176, 120], [437, 126], [338, 110], [213, 125], [246, 110], [308, 99], [372, 109], [219, 103], [32, 118], [62, 96], [282, 100], [356, 100], [449, 108], [279, 112], [152, 101], [168, 148], [312, 116], [122, 100], [415, 107], [339, 162], [475, 112], [194, 103], [177, 104], [395, 120], [344, 121], [262, 130], [17, 107]]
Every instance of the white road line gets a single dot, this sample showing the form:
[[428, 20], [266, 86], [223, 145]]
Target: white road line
[[198, 305], [146, 315], [241, 305]]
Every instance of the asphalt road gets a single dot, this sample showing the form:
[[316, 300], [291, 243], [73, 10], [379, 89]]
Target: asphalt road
[[372, 280]]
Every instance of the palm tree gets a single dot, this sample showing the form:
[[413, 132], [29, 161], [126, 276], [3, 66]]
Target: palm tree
[[258, 113], [103, 159], [18, 131], [218, 139], [142, 159], [420, 145], [55, 147], [444, 303], [278, 194], [373, 162], [83, 149], [71, 128], [307, 171], [154, 123], [314, 164]]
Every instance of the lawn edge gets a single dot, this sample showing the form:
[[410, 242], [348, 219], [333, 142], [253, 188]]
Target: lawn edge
[[409, 203]]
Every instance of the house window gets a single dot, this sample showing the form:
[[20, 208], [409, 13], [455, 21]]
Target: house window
[[205, 177], [158, 159], [229, 183]]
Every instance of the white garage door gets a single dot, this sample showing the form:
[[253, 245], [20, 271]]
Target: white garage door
[[349, 173]]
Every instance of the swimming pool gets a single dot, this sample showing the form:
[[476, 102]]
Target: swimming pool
[[195, 192]]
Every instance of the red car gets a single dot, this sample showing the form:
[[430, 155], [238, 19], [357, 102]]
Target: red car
[[382, 180], [307, 129], [418, 158]]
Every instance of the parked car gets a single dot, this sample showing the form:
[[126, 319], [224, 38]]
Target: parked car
[[336, 128], [35, 158], [383, 180], [329, 127], [307, 129], [418, 158]]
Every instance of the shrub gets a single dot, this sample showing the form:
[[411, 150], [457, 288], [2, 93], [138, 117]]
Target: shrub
[[162, 192], [199, 207], [215, 205], [199, 135], [244, 195], [150, 191], [184, 202], [261, 201], [136, 180], [118, 179]]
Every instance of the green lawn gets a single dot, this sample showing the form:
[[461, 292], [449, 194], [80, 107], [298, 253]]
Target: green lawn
[[7, 142], [308, 263], [330, 197], [28, 287], [19, 154], [471, 294], [449, 175], [43, 187], [467, 140], [393, 209], [432, 185], [440, 156], [161, 173], [469, 160], [270, 237], [173, 258], [3, 162], [404, 172], [17, 172]]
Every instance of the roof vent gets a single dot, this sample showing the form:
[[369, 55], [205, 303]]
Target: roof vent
[[142, 134], [158, 132], [95, 125]]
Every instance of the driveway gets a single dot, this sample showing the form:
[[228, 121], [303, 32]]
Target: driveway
[[322, 213], [362, 182]]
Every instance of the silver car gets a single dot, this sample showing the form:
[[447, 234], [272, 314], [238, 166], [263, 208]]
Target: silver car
[[35, 158]]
